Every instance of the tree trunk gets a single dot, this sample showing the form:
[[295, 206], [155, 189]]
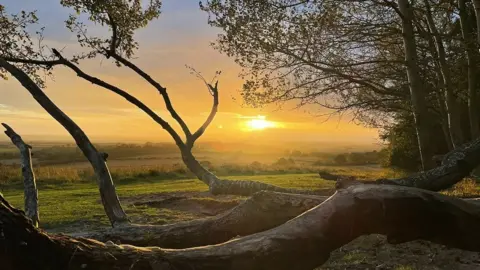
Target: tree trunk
[[451, 103], [265, 210], [417, 92], [29, 182], [305, 242], [238, 187], [110, 200], [470, 48], [476, 5]]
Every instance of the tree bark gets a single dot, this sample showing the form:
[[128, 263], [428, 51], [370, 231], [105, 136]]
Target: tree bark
[[108, 194], [470, 48], [476, 5], [239, 187], [305, 242], [417, 92], [263, 211], [451, 103], [29, 182]]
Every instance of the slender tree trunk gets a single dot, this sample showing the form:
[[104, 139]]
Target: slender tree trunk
[[30, 196], [110, 200], [470, 48], [303, 243], [476, 5], [450, 100], [417, 92]]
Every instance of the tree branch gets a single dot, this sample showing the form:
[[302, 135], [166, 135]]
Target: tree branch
[[123, 94], [162, 90], [214, 91]]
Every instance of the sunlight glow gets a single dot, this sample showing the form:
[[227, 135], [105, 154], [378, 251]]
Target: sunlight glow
[[259, 123]]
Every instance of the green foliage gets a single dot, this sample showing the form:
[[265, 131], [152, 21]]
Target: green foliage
[[16, 42], [402, 151], [122, 17]]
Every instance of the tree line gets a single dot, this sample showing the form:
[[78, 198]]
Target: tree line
[[407, 67]]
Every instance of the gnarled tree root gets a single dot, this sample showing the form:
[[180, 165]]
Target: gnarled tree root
[[305, 242]]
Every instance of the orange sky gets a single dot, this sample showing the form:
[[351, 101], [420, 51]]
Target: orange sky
[[165, 48]]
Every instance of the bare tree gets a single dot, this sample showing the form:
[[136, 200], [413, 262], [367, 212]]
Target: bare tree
[[119, 47], [110, 200], [472, 55]]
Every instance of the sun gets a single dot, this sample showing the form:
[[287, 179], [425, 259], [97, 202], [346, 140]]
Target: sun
[[259, 123]]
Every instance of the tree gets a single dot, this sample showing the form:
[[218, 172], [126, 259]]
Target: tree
[[301, 243], [350, 55], [119, 47]]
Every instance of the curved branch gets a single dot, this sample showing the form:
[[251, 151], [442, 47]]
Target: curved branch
[[211, 116], [162, 90], [164, 124]]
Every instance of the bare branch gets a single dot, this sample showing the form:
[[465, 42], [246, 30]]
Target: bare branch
[[162, 90], [29, 182], [123, 94]]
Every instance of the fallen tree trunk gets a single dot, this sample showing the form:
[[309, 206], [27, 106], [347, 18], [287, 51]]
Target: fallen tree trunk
[[305, 242], [263, 211], [30, 196]]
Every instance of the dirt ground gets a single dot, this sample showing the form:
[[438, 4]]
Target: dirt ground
[[367, 252]]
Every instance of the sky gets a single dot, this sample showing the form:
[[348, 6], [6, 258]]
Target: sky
[[181, 36]]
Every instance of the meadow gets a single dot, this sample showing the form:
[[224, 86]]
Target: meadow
[[158, 189]]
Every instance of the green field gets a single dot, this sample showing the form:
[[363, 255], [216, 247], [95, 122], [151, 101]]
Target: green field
[[69, 203]]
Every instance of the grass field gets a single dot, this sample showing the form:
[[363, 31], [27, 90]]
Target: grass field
[[68, 203]]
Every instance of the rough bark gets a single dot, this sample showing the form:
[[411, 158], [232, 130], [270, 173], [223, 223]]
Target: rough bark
[[417, 92], [476, 5], [451, 103], [235, 187], [470, 48], [30, 196], [263, 211], [108, 194], [305, 242]]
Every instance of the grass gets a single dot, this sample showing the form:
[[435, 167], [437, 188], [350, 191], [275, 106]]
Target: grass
[[79, 202], [68, 195]]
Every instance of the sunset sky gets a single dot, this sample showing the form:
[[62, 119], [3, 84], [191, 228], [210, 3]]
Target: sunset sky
[[180, 37]]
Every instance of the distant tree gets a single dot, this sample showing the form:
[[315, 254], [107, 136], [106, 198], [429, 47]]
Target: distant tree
[[340, 159]]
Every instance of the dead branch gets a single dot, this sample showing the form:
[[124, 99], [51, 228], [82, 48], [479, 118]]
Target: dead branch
[[29, 182]]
